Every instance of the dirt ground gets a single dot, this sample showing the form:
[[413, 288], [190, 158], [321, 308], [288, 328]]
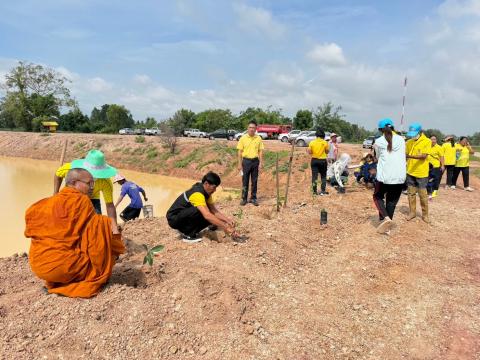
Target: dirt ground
[[293, 290]]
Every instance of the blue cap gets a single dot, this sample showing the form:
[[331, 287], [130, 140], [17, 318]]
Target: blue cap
[[384, 123], [414, 129]]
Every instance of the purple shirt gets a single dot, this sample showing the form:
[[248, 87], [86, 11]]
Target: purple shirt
[[133, 191]]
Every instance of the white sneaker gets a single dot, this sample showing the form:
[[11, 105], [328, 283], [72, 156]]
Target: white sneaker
[[385, 226], [468, 189], [453, 187]]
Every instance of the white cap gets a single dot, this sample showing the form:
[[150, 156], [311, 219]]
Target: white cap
[[118, 178]]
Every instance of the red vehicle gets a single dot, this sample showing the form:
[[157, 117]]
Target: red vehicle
[[274, 130]]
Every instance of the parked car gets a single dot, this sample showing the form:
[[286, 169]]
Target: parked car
[[263, 135], [195, 133], [369, 141], [222, 134], [153, 131], [126, 131], [305, 138], [289, 136], [139, 131]]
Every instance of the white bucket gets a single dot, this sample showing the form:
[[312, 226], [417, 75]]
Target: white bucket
[[148, 211]]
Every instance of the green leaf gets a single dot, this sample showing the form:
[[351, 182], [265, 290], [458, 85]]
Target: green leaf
[[156, 249], [145, 259], [150, 260]]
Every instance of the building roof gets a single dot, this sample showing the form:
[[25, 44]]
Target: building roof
[[49, 123]]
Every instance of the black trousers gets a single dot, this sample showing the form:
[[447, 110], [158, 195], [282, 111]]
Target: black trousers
[[465, 174], [449, 171], [97, 206], [385, 197], [130, 213], [189, 221], [434, 175], [250, 172], [319, 166]]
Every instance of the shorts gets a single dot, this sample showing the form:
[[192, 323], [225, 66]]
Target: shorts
[[130, 213], [420, 183]]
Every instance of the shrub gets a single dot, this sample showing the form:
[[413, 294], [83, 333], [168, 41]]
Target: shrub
[[140, 139]]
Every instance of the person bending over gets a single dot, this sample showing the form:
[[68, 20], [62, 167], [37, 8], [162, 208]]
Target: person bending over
[[195, 210]]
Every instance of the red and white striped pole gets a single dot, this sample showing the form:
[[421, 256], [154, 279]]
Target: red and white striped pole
[[402, 120]]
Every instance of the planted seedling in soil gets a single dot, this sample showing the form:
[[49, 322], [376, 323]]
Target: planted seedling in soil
[[151, 253]]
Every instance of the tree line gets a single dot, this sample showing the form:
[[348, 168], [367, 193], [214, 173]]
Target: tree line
[[34, 94]]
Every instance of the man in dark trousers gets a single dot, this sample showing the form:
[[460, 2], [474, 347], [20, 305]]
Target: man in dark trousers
[[194, 210], [250, 159]]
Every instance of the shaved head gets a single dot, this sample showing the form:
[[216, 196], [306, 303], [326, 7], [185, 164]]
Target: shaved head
[[81, 180]]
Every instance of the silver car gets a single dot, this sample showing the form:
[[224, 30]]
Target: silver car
[[305, 138], [289, 136]]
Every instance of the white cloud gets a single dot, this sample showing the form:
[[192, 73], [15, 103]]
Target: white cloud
[[459, 8], [98, 85], [258, 21], [142, 79], [327, 54]]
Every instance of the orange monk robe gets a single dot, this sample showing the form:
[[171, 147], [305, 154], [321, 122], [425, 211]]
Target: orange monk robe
[[72, 249]]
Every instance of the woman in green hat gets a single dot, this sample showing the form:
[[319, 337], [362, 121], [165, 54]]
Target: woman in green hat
[[95, 164]]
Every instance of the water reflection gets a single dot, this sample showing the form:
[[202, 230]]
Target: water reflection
[[25, 181]]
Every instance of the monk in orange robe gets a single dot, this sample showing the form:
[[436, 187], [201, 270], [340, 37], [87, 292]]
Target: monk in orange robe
[[73, 249]]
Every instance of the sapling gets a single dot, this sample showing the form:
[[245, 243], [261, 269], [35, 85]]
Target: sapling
[[151, 253]]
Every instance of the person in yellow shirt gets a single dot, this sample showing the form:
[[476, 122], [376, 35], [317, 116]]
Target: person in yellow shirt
[[449, 155], [417, 150], [318, 149], [250, 159], [94, 163], [195, 210], [436, 159], [462, 164]]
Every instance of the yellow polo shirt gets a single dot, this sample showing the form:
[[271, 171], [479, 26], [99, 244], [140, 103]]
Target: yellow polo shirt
[[436, 152], [449, 153], [104, 186], [250, 146], [319, 148], [198, 199], [463, 157], [415, 167]]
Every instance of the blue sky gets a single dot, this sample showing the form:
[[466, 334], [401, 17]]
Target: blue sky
[[158, 56]]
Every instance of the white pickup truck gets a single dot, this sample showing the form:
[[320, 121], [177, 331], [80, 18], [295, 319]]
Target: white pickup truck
[[194, 133], [153, 131]]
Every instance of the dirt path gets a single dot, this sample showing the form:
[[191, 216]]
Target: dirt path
[[294, 290]]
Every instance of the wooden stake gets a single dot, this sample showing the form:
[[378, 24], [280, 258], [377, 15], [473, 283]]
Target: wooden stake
[[290, 165], [278, 183], [64, 150]]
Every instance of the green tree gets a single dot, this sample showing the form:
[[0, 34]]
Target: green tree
[[10, 111], [98, 118], [210, 120], [431, 132], [74, 121], [118, 117], [38, 91], [261, 116], [328, 118], [303, 120], [150, 122], [475, 138], [181, 120]]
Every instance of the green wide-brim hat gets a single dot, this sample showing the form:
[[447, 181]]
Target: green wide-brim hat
[[95, 164]]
